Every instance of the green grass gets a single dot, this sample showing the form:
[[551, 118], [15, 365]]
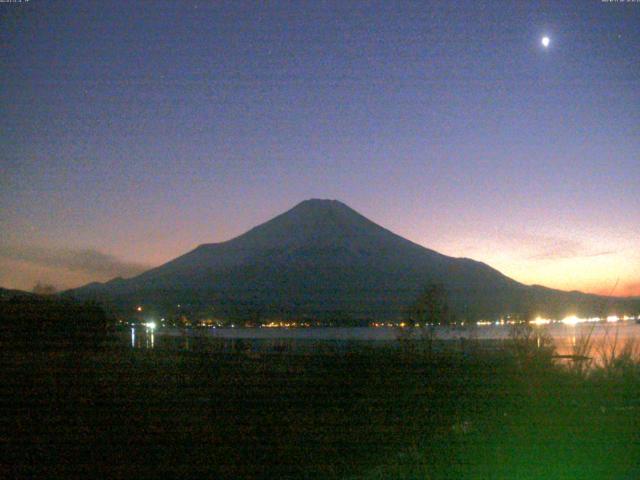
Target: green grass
[[363, 414]]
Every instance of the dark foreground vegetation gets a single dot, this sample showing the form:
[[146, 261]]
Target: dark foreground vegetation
[[364, 413]]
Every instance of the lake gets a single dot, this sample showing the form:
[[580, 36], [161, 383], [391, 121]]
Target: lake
[[605, 337]]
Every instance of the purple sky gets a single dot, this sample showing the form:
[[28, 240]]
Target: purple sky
[[132, 132]]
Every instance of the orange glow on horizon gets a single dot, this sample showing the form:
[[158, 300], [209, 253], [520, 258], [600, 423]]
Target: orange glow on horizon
[[625, 290]]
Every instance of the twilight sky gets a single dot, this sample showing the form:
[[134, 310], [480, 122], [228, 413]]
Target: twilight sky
[[131, 132]]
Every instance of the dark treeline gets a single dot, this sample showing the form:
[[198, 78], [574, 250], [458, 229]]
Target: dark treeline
[[45, 321]]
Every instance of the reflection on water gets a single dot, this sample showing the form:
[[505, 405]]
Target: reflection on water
[[600, 342], [143, 338], [594, 340]]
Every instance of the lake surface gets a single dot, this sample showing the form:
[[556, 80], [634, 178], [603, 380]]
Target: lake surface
[[605, 338]]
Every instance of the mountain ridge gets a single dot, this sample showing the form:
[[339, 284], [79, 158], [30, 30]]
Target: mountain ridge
[[323, 259]]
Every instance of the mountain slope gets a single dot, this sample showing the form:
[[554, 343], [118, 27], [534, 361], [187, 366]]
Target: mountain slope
[[323, 259]]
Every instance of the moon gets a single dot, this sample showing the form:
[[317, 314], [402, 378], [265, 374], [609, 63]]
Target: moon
[[545, 41]]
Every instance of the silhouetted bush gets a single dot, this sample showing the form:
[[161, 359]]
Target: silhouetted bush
[[530, 347]]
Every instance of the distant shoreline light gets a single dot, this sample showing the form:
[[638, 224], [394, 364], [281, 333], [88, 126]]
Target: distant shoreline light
[[568, 320]]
